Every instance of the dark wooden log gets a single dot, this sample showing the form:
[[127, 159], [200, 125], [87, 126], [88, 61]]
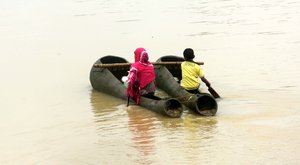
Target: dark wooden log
[[108, 80], [203, 104]]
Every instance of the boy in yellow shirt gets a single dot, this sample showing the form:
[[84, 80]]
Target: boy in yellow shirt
[[191, 72]]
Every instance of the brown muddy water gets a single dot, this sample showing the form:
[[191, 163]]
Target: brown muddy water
[[51, 115]]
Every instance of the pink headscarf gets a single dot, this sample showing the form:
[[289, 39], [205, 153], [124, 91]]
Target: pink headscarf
[[144, 58], [137, 54]]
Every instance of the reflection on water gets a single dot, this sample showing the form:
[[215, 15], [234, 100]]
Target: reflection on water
[[103, 103], [142, 130], [147, 133]]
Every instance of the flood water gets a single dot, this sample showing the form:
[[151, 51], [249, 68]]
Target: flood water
[[50, 114]]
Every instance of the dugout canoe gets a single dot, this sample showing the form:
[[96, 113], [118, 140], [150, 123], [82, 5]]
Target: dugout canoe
[[108, 80], [168, 78]]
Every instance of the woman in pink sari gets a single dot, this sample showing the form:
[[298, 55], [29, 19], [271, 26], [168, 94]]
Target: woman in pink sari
[[141, 78]]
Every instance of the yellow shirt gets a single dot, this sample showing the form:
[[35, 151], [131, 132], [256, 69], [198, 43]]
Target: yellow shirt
[[190, 75]]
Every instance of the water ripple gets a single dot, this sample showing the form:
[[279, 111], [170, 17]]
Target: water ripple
[[206, 34], [270, 33], [128, 20], [84, 15]]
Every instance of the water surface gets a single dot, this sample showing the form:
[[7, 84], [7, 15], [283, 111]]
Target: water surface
[[51, 115]]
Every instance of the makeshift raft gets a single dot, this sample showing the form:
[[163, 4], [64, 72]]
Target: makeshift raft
[[108, 80], [168, 78]]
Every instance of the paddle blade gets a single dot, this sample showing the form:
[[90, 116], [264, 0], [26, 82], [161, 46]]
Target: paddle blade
[[213, 92]]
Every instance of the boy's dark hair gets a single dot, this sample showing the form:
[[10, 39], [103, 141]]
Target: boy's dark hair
[[188, 54]]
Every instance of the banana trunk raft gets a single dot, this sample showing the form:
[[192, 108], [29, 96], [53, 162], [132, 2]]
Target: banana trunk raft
[[168, 78], [106, 75]]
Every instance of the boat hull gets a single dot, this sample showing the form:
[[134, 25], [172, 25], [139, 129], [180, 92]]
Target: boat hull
[[108, 80], [168, 78]]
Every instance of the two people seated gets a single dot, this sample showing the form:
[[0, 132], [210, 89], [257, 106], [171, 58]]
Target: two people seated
[[141, 77]]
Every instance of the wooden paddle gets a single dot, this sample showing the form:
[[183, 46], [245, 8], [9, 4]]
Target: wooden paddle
[[213, 92]]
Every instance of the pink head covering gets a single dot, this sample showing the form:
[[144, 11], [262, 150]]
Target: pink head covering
[[144, 58], [137, 54]]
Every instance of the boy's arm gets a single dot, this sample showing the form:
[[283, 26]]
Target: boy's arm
[[205, 81]]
